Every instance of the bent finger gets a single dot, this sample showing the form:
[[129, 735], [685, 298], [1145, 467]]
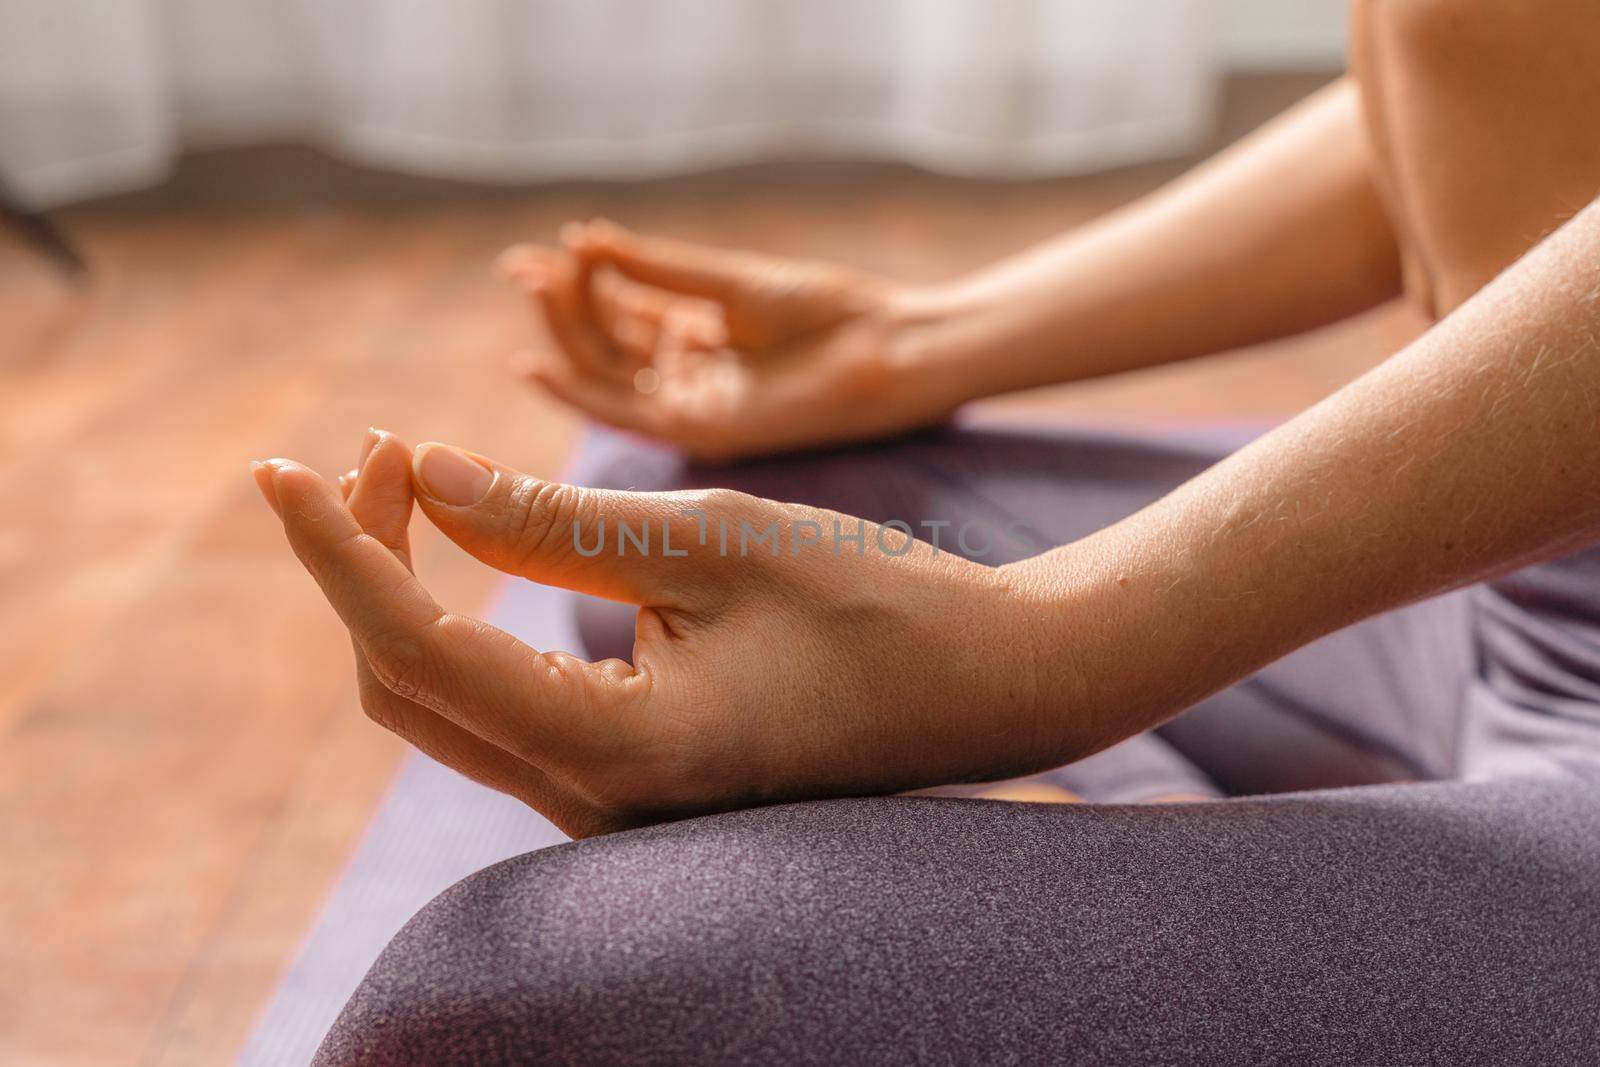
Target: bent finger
[[380, 501], [559, 286], [380, 496], [477, 676], [630, 314]]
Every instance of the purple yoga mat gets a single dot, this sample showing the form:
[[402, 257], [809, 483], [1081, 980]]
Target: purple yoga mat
[[432, 829]]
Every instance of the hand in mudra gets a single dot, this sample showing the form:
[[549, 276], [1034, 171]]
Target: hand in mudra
[[756, 676], [723, 353]]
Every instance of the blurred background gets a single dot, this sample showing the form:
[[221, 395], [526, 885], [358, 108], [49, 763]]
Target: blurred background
[[244, 228]]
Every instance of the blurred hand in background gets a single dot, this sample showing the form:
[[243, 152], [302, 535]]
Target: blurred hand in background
[[722, 353]]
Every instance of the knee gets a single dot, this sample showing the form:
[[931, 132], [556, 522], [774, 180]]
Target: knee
[[616, 949], [435, 995], [491, 972], [741, 937]]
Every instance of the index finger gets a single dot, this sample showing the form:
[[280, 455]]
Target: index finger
[[536, 707]]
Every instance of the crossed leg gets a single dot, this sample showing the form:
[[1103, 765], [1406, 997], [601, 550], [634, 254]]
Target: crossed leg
[[1434, 923]]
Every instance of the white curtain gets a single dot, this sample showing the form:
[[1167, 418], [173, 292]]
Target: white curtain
[[99, 95]]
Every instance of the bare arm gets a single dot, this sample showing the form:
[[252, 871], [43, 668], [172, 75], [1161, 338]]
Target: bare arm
[[1280, 234], [1472, 452], [1283, 233]]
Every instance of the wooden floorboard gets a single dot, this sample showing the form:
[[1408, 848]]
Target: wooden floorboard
[[183, 766]]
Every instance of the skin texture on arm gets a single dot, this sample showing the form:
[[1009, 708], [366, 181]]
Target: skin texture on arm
[[1283, 233], [748, 353], [1472, 452]]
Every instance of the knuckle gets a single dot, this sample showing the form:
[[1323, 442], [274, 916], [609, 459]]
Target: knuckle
[[729, 502], [382, 708], [400, 663], [541, 514], [725, 506], [558, 683], [375, 707]]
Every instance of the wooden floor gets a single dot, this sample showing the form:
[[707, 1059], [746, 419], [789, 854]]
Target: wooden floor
[[183, 766]]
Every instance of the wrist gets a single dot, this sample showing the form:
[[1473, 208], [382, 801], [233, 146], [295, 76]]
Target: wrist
[[984, 667], [936, 348], [1118, 636], [1052, 605]]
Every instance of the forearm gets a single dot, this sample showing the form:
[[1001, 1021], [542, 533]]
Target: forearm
[[1278, 235], [1470, 453]]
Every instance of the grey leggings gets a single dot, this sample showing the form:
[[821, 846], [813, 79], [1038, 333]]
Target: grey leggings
[[1455, 919]]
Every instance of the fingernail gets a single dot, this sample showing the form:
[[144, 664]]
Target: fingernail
[[572, 233], [262, 473], [450, 476], [368, 443]]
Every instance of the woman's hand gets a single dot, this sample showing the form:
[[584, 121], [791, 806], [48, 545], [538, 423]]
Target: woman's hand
[[722, 353], [781, 652]]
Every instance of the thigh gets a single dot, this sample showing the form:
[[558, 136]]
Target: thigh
[[1443, 923], [1381, 701]]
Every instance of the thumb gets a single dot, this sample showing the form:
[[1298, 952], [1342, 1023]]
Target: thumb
[[640, 548]]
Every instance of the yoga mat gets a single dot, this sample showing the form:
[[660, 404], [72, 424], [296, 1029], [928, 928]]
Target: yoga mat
[[432, 829]]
